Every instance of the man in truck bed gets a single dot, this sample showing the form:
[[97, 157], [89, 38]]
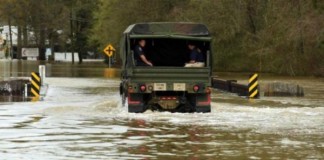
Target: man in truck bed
[[168, 85], [139, 55], [196, 57]]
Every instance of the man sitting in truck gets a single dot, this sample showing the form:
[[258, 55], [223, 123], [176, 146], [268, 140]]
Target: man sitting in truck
[[139, 55], [196, 57]]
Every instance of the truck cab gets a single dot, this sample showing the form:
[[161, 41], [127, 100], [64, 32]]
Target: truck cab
[[170, 84]]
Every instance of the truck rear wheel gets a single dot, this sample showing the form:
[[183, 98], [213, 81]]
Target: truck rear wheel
[[187, 107], [136, 108], [203, 109], [201, 102], [136, 103]]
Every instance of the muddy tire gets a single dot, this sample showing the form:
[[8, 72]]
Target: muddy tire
[[123, 96], [203, 109], [194, 99], [136, 103], [136, 108], [185, 108], [123, 93]]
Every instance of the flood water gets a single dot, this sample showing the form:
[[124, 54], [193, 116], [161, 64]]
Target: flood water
[[82, 118], [23, 68]]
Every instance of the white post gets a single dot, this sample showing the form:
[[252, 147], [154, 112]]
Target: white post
[[42, 73], [26, 90]]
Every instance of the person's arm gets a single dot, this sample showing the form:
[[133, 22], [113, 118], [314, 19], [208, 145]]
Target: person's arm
[[143, 58], [139, 52]]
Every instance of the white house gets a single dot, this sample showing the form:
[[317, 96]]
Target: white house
[[5, 34]]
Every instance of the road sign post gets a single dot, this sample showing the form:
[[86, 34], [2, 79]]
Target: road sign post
[[109, 65], [109, 51]]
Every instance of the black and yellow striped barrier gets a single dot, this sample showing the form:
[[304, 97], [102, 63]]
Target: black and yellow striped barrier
[[254, 86], [35, 84]]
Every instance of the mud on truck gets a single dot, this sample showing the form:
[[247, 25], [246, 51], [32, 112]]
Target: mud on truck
[[168, 85]]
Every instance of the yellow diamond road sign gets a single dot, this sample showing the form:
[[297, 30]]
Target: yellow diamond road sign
[[109, 50]]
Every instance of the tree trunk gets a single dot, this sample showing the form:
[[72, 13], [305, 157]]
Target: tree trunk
[[10, 37], [19, 43], [300, 26], [251, 11], [25, 36], [80, 57], [41, 44]]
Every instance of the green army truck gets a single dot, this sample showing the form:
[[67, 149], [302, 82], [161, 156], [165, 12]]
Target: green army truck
[[168, 85]]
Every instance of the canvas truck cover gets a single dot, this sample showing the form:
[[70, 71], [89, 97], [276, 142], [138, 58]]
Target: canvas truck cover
[[158, 29], [168, 85]]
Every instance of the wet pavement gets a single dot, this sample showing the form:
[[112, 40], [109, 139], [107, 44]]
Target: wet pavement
[[82, 118]]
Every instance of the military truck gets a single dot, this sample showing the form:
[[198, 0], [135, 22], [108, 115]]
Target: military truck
[[168, 85]]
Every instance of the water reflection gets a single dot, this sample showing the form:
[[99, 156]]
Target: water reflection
[[23, 68]]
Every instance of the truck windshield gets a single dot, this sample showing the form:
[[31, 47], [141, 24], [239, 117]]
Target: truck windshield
[[170, 52]]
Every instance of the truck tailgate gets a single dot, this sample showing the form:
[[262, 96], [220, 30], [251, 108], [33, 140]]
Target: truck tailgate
[[170, 74]]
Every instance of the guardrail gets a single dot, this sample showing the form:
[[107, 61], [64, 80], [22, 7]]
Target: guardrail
[[17, 90], [250, 90]]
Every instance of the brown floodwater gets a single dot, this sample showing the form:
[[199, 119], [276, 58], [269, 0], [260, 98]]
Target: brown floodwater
[[81, 117]]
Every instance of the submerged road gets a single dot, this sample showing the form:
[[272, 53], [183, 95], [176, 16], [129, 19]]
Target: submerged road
[[82, 118]]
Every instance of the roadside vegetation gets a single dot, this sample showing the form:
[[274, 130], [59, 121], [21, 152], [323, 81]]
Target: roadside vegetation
[[275, 36], [62, 25]]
